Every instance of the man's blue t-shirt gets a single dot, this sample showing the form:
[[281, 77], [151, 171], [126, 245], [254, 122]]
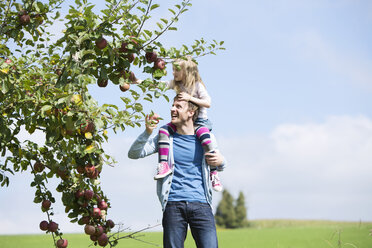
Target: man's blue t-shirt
[[187, 182]]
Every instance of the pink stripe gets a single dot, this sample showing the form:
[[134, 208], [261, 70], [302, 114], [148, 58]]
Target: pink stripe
[[201, 131], [172, 126], [163, 151], [164, 132], [206, 142]]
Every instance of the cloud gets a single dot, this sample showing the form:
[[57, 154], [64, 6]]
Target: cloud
[[312, 170]]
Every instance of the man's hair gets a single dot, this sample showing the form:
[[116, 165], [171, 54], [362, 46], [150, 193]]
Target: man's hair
[[191, 106]]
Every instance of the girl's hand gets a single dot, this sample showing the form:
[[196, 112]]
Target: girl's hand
[[183, 96]]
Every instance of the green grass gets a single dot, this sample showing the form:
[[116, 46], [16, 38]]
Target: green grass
[[262, 234]]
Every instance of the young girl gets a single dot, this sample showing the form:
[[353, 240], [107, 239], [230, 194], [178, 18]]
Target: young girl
[[189, 87]]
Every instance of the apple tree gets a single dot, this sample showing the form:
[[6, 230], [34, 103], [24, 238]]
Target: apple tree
[[44, 86]]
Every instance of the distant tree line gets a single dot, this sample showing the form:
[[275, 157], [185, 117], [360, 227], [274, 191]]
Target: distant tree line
[[231, 213]]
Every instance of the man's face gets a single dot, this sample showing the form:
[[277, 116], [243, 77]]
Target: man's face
[[180, 112]]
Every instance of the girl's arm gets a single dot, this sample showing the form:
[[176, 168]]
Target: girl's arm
[[203, 99]]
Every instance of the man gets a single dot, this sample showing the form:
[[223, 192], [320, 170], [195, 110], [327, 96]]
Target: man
[[186, 194]]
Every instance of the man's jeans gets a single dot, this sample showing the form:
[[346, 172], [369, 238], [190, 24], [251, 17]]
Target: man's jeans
[[199, 216]]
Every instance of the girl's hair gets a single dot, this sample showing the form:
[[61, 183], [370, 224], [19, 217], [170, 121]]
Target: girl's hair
[[191, 74]]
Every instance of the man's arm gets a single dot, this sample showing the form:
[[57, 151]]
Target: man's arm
[[143, 146], [215, 159]]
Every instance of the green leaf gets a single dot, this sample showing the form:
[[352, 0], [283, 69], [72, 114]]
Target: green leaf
[[154, 6]]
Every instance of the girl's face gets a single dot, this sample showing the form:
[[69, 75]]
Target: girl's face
[[179, 75]]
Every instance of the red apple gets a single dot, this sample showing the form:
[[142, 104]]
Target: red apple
[[24, 19], [89, 127], [96, 213], [102, 83], [58, 72], [153, 118], [102, 205], [110, 223], [39, 167], [80, 169], [52, 227], [93, 238], [79, 194], [62, 243], [46, 204], [123, 48], [99, 231], [124, 87], [88, 194], [89, 169], [84, 220], [159, 64], [131, 57], [101, 43], [151, 56], [89, 229], [94, 174], [103, 239], [44, 225]]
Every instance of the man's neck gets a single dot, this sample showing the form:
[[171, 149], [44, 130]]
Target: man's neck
[[187, 129]]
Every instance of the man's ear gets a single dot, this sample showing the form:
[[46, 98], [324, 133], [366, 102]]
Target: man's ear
[[191, 113]]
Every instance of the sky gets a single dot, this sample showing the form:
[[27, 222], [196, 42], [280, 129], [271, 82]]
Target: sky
[[291, 110]]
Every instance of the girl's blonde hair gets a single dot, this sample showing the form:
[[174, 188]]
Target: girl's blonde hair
[[191, 74]]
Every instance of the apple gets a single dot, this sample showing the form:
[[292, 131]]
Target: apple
[[102, 205], [80, 169], [123, 48], [94, 174], [103, 239], [99, 231], [151, 56], [89, 229], [79, 194], [131, 57], [88, 194], [89, 127], [89, 169], [101, 43], [62, 243], [96, 213], [124, 87], [44, 225], [39, 167], [8, 61], [153, 118], [102, 82], [93, 238], [58, 72], [52, 227], [159, 64], [46, 204], [84, 220], [133, 40], [110, 223], [61, 172], [24, 19]]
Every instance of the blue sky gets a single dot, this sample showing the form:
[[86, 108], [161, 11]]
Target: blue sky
[[291, 108]]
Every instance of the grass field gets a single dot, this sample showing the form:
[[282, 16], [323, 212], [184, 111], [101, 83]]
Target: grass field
[[262, 234]]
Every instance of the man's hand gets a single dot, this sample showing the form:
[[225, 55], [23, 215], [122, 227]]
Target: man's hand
[[151, 122], [214, 159]]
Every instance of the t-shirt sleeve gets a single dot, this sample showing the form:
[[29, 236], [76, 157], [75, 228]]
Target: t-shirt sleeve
[[202, 93]]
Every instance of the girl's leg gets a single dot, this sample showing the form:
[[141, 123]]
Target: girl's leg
[[203, 133], [163, 168]]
